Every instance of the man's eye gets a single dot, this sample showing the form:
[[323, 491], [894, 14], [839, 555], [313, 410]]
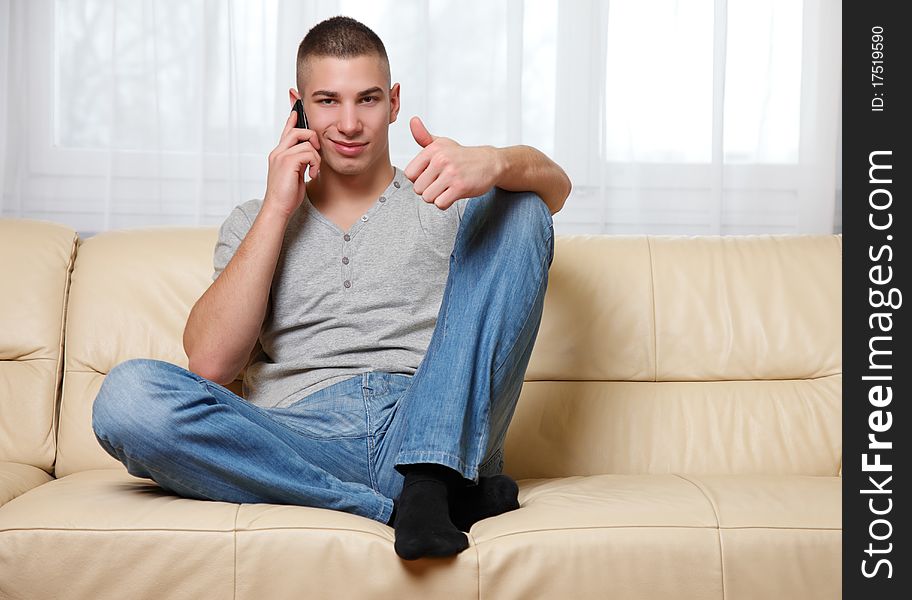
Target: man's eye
[[374, 98], [321, 100]]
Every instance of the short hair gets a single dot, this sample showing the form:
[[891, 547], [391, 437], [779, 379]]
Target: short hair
[[340, 37]]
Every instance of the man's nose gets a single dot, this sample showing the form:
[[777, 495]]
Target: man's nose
[[349, 123]]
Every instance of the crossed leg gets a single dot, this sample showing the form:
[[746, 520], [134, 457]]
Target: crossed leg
[[200, 440], [457, 407]]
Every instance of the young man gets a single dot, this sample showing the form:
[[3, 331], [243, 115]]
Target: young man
[[385, 318]]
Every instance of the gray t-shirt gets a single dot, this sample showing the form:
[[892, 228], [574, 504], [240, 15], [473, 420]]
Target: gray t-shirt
[[342, 303]]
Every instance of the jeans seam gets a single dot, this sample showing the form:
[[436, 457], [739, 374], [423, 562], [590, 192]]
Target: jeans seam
[[525, 322], [551, 243], [446, 314], [380, 516], [422, 455], [366, 396]]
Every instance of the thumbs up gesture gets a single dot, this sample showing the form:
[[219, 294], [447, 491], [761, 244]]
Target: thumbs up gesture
[[444, 171]]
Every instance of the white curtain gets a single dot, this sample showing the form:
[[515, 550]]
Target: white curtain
[[670, 116]]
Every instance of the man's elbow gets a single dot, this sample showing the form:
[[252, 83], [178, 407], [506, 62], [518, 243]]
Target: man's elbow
[[561, 197], [211, 370], [204, 370]]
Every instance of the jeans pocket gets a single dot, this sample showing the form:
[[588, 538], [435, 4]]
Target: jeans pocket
[[383, 405]]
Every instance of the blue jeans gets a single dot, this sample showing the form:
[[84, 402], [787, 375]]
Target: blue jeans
[[339, 447]]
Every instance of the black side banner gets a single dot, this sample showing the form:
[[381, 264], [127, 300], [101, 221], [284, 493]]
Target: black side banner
[[877, 370]]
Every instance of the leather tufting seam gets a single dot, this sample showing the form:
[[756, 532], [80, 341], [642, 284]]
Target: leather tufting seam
[[173, 530], [477, 565], [655, 334], [236, 514], [718, 526], [764, 380], [592, 527]]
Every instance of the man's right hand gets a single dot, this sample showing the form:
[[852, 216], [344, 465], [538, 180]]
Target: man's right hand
[[285, 186]]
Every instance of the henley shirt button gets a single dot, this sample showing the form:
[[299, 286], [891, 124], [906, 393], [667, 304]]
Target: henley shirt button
[[364, 217], [346, 237], [344, 260], [382, 198], [396, 183], [347, 283]]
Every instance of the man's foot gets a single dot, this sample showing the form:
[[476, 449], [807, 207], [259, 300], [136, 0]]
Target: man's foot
[[421, 518], [494, 495]]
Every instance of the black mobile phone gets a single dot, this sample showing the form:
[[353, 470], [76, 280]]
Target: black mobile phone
[[302, 119]]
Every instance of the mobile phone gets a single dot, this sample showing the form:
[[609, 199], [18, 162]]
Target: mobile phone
[[302, 119]]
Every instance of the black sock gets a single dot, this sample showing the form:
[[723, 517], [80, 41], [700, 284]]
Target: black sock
[[422, 520], [494, 495]]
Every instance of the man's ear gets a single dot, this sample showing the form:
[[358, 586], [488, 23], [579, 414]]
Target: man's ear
[[394, 103], [293, 95]]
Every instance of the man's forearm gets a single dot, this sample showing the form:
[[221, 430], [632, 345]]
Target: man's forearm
[[526, 169]]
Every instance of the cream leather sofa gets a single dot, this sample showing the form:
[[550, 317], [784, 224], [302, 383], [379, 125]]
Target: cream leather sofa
[[678, 435]]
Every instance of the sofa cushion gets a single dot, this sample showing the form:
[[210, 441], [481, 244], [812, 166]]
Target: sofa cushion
[[106, 534], [691, 308], [17, 478], [35, 270], [747, 307], [781, 536], [666, 536], [712, 354], [787, 427], [643, 536], [131, 295]]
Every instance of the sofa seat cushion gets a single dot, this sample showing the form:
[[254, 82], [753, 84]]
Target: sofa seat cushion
[[666, 536], [106, 534], [624, 536], [17, 478]]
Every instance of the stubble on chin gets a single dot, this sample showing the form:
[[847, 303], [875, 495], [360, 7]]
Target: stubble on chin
[[349, 169]]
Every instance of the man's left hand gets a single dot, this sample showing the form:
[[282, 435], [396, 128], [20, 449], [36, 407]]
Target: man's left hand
[[445, 171]]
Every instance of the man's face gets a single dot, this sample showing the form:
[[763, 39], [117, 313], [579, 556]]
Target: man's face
[[348, 104]]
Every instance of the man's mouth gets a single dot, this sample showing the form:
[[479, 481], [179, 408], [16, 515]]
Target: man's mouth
[[350, 144], [348, 148]]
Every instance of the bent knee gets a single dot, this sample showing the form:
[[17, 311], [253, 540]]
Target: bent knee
[[512, 215], [531, 220], [123, 399], [135, 371], [527, 207]]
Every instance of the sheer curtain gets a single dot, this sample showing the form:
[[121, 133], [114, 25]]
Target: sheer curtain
[[671, 116]]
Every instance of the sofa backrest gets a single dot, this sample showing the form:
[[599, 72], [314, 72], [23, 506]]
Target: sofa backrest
[[131, 294], [35, 262], [655, 354], [689, 354]]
